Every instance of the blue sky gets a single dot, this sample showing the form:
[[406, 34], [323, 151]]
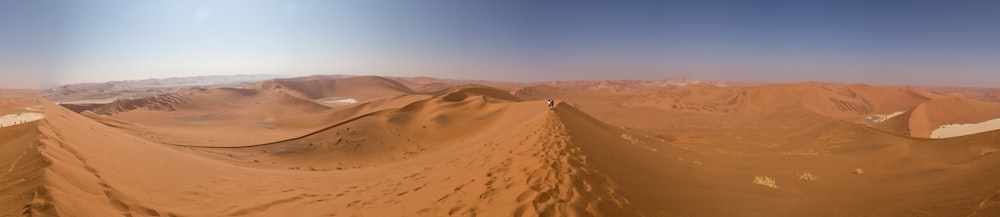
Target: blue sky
[[955, 43]]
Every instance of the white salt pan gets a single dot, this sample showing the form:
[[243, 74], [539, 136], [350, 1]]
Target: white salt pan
[[954, 130], [336, 101], [12, 119]]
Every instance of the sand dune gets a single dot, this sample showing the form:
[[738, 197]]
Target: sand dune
[[482, 151], [899, 125], [694, 97], [209, 99], [772, 129], [361, 88], [492, 160], [933, 114], [23, 169], [215, 116]]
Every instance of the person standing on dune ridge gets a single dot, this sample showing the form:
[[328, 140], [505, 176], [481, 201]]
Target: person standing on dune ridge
[[550, 103]]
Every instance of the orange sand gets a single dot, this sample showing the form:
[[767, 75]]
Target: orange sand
[[428, 147]]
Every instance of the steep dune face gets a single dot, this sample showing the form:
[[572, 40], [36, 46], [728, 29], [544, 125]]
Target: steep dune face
[[698, 97], [783, 132], [362, 88], [892, 106], [501, 157], [898, 125], [23, 166], [398, 132], [830, 100], [210, 99], [68, 168], [715, 179], [967, 171], [97, 170], [932, 114], [215, 116], [489, 93], [690, 109], [841, 102], [885, 108], [521, 151], [887, 100], [162, 102], [851, 103], [486, 152], [11, 105], [82, 107]]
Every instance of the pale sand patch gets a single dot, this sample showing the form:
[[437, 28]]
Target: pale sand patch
[[955, 130], [881, 118], [34, 108], [336, 101], [12, 119]]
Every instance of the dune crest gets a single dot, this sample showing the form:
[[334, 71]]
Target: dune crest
[[361, 88], [533, 170], [473, 150]]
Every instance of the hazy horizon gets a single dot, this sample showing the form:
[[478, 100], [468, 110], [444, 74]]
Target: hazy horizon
[[875, 42], [724, 81]]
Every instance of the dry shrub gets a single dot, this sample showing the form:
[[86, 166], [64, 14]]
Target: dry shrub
[[765, 181], [631, 138], [808, 177], [986, 152]]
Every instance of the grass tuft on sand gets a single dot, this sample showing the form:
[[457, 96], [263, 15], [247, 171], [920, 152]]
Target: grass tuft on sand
[[631, 138], [987, 151], [808, 177], [765, 181]]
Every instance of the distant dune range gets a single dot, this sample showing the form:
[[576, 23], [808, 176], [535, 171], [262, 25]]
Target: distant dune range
[[430, 147]]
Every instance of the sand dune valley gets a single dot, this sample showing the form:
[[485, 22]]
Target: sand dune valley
[[387, 146]]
